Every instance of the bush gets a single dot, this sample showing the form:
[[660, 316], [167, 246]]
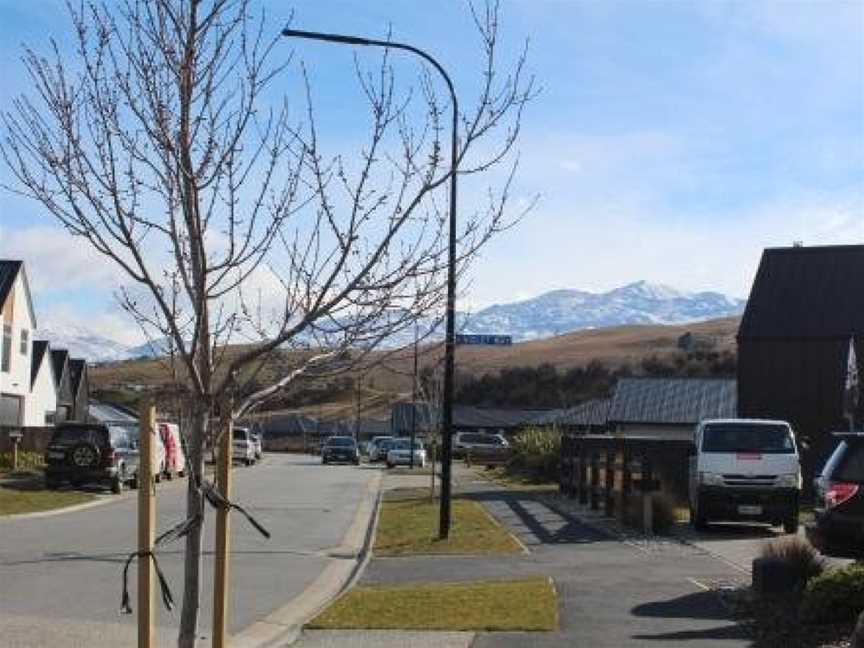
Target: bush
[[802, 559], [836, 596], [663, 515], [537, 451], [26, 460]]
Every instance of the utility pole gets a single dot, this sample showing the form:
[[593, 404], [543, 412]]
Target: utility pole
[[357, 409], [414, 406]]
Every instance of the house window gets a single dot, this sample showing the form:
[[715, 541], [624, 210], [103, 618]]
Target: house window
[[25, 341], [7, 348]]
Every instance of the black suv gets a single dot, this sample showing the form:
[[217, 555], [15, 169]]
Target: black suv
[[838, 529], [81, 453], [340, 448]]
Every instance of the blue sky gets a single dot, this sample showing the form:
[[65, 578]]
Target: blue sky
[[672, 140]]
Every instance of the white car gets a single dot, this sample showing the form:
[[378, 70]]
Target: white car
[[465, 441], [378, 448], [400, 454], [243, 446], [159, 459]]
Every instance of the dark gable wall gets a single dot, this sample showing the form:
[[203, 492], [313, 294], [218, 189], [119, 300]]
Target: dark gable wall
[[805, 305]]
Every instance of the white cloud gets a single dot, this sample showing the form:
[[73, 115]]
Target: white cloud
[[57, 261]]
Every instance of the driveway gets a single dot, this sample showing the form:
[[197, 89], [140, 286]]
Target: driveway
[[61, 575]]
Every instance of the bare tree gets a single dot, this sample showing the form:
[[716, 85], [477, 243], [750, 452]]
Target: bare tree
[[162, 145]]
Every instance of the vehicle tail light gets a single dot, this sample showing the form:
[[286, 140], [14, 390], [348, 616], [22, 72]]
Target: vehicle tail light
[[109, 456], [838, 492]]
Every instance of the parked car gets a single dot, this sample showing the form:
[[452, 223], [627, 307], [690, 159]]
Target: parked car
[[466, 441], [379, 447], [340, 448], [242, 446], [259, 445], [175, 458], [838, 528], [159, 456], [400, 453], [81, 453], [367, 447], [745, 469]]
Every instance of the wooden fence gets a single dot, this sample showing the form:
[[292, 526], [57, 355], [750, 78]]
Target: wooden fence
[[604, 471]]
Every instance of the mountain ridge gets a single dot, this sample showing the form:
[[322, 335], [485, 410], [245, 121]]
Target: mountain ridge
[[555, 312]]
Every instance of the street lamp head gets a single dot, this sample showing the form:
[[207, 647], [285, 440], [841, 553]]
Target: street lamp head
[[331, 38]]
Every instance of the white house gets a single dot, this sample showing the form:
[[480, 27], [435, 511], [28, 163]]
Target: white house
[[41, 405], [28, 386]]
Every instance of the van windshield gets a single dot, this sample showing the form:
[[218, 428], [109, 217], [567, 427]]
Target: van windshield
[[741, 437]]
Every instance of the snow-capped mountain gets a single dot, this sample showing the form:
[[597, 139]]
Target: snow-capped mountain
[[82, 341], [552, 313], [562, 311]]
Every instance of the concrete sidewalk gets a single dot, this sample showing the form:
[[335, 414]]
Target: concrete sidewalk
[[613, 592]]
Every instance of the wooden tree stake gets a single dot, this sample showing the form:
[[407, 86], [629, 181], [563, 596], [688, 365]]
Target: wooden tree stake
[[146, 525], [221, 589]]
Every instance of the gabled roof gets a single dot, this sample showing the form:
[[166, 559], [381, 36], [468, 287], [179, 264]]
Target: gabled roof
[[77, 368], [592, 412], [8, 272], [40, 353], [466, 416], [675, 401], [806, 293], [60, 361]]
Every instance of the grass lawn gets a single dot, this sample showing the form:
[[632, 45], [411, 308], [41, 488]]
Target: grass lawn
[[523, 481], [527, 604], [19, 499], [408, 525]]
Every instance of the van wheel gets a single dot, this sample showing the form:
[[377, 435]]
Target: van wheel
[[790, 523], [133, 483]]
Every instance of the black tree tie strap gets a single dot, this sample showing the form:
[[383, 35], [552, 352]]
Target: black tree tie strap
[[167, 598], [218, 501]]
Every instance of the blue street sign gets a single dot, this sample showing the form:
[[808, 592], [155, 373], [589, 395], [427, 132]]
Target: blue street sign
[[487, 340]]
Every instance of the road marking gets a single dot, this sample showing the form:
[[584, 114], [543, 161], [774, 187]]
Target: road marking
[[699, 584]]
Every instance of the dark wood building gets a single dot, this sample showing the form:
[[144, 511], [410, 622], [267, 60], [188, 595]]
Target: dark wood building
[[805, 306], [62, 376]]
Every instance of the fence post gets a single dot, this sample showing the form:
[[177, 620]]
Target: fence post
[[221, 598], [647, 495], [609, 474], [146, 525], [583, 474]]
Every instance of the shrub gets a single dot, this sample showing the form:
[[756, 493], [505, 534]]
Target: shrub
[[26, 460], [537, 451], [798, 555], [663, 512], [836, 596]]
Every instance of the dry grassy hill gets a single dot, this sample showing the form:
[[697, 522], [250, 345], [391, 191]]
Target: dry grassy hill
[[390, 376]]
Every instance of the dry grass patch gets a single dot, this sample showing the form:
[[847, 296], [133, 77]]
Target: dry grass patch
[[23, 500], [527, 604], [408, 525]]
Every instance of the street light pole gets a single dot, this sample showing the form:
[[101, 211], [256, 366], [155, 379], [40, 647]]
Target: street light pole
[[450, 340]]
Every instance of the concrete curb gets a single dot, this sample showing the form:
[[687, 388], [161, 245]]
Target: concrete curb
[[282, 627]]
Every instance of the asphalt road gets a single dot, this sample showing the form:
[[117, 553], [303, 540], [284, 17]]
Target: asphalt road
[[61, 575]]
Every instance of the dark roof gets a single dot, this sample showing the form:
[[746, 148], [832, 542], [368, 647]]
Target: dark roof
[[60, 360], [806, 293], [77, 367], [464, 416], [109, 412], [39, 349], [8, 272], [590, 413], [676, 401]]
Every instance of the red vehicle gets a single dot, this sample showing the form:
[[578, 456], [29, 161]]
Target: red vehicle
[[175, 459]]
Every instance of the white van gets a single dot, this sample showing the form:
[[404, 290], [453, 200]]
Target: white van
[[745, 469]]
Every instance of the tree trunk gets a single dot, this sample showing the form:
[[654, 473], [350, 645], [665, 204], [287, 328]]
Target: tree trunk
[[858, 634], [194, 541]]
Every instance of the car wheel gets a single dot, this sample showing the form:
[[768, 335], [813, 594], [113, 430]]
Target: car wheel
[[51, 483], [323, 461], [116, 485], [133, 483], [157, 477], [790, 523], [390, 465], [169, 475]]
